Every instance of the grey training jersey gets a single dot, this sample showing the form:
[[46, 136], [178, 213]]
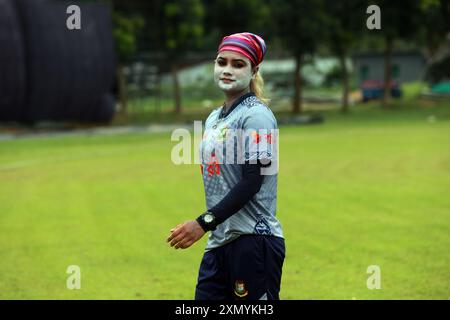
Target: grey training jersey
[[248, 132]]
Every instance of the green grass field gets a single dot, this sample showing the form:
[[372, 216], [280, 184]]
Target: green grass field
[[370, 188]]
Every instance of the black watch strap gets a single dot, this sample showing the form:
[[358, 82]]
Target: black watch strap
[[207, 221]]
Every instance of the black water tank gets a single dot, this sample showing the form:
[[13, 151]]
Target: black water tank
[[68, 72], [12, 64]]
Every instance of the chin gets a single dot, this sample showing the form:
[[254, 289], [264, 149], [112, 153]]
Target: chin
[[231, 89], [227, 88]]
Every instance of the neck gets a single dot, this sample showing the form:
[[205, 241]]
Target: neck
[[230, 98]]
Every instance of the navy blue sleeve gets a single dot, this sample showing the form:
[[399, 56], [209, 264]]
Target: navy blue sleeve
[[241, 193]]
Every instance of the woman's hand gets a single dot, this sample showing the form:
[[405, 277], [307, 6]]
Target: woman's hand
[[185, 234]]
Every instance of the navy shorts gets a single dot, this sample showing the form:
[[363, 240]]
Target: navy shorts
[[248, 268]]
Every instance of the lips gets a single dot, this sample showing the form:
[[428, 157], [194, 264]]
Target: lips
[[226, 80]]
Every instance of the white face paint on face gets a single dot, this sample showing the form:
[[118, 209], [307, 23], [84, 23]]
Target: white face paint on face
[[232, 72]]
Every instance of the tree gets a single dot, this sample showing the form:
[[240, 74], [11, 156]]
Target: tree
[[226, 17], [400, 19], [344, 27], [183, 31], [434, 27], [300, 26], [125, 32]]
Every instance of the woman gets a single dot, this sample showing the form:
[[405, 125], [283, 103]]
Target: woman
[[245, 251]]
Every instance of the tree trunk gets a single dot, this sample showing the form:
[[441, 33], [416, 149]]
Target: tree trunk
[[345, 81], [176, 88], [122, 89], [297, 106], [387, 71]]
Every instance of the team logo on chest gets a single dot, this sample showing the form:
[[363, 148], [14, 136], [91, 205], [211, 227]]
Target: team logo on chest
[[223, 133]]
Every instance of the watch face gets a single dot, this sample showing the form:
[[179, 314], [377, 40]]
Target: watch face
[[208, 218]]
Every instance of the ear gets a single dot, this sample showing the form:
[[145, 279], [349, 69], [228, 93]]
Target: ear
[[255, 71]]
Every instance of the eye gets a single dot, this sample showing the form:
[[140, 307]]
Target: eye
[[221, 62], [239, 65]]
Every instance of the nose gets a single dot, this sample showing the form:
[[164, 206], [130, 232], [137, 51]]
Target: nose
[[227, 70]]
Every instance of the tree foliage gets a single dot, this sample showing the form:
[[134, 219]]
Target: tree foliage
[[125, 33]]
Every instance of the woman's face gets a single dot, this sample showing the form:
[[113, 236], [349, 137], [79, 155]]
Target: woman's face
[[232, 72]]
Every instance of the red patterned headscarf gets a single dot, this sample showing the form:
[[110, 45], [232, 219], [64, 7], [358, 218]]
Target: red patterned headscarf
[[248, 44]]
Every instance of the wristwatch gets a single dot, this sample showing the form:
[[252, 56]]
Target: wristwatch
[[207, 221]]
